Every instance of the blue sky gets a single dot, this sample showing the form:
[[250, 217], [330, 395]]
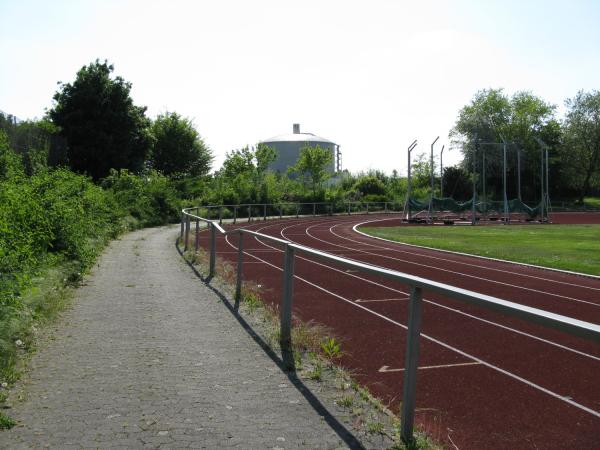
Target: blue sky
[[371, 76]]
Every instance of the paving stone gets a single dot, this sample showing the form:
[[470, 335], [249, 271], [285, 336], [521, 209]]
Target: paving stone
[[148, 357]]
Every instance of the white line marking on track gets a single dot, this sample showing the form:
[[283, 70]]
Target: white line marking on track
[[386, 369], [441, 343], [355, 229], [360, 300], [448, 270], [455, 310]]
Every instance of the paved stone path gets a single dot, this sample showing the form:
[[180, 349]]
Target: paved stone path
[[149, 357]]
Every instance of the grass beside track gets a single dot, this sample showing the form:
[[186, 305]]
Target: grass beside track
[[567, 247]]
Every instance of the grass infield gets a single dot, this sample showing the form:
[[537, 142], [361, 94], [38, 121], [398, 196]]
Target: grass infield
[[568, 247]]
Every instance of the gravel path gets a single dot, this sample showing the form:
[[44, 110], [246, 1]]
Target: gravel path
[[149, 357]]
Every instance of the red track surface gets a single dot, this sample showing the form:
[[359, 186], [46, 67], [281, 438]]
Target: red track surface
[[485, 380]]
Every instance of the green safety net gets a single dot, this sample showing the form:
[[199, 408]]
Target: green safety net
[[449, 204]]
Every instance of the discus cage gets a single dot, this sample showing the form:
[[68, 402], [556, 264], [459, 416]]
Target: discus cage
[[481, 207]]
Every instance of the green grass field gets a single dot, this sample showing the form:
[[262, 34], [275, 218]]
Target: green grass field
[[568, 247]]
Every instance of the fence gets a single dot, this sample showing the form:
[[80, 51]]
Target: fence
[[417, 285]]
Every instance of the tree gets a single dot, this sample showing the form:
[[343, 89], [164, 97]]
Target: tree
[[102, 126], [580, 152], [494, 117], [312, 165], [177, 147]]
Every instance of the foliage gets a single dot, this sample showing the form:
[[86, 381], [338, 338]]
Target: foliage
[[150, 199], [493, 117], [312, 167], [331, 348], [177, 147], [103, 128], [580, 152]]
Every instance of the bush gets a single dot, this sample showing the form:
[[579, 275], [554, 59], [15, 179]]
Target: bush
[[151, 199]]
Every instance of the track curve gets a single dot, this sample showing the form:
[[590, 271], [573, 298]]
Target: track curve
[[485, 380]]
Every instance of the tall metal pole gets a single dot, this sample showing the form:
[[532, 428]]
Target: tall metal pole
[[474, 180], [542, 184], [519, 173], [483, 183], [547, 188], [431, 172], [408, 182], [504, 180], [442, 172]]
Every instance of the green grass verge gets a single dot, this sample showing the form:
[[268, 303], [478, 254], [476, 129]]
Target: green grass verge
[[567, 247], [593, 202]]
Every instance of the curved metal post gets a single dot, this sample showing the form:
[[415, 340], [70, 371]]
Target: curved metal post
[[240, 262], [286, 308], [213, 250], [182, 226], [187, 233]]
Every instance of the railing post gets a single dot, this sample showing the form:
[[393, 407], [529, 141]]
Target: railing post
[[220, 215], [265, 211], [286, 308], [385, 208], [234, 214], [280, 212], [197, 240], [348, 208], [314, 209], [187, 233], [297, 210], [331, 209], [249, 212], [182, 226], [213, 250], [240, 261], [411, 363], [367, 207]]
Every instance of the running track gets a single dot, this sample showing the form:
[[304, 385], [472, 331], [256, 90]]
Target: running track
[[485, 380]]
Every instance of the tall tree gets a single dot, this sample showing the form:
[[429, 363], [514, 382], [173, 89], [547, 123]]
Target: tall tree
[[312, 166], [492, 116], [102, 126], [580, 152], [178, 148]]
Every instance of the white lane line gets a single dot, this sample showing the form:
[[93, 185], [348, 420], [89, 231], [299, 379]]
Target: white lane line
[[360, 300], [386, 369], [457, 311], [432, 339], [355, 229], [564, 297]]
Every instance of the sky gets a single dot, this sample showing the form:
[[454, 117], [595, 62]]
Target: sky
[[371, 75]]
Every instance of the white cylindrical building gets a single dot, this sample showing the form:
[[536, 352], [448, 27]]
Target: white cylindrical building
[[288, 148]]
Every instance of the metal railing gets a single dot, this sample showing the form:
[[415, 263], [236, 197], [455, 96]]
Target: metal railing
[[417, 285], [256, 211]]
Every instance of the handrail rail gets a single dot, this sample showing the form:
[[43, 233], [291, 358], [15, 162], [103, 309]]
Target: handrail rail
[[559, 322]]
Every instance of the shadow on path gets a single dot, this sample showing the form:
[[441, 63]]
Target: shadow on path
[[314, 402]]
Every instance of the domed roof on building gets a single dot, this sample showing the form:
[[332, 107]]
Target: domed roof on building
[[296, 136]]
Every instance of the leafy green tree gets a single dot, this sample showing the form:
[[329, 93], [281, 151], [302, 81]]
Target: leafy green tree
[[178, 148], [102, 126], [312, 165], [492, 116], [580, 152]]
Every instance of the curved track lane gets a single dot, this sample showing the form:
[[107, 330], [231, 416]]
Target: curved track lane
[[485, 380]]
